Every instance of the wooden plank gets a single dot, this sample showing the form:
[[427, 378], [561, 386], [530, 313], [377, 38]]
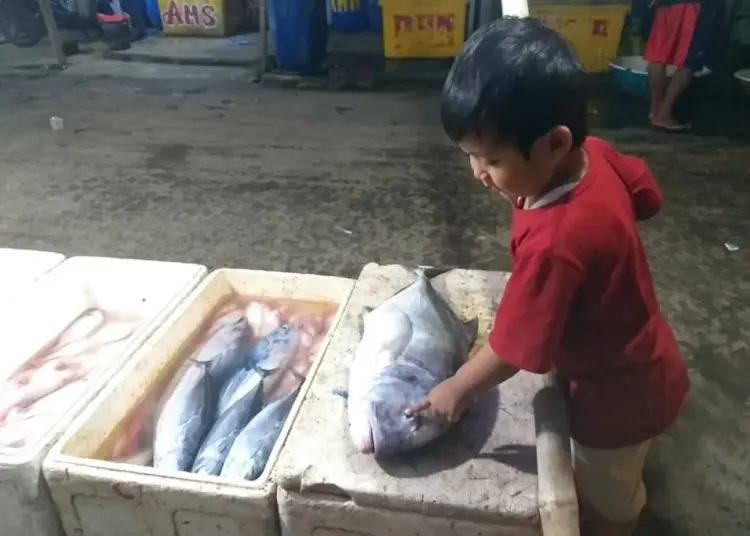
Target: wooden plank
[[558, 502]]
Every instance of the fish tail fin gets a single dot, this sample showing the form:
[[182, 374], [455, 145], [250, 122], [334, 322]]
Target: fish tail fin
[[431, 272], [471, 328]]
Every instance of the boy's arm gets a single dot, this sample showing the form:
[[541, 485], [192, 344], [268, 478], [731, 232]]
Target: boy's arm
[[483, 371], [643, 188]]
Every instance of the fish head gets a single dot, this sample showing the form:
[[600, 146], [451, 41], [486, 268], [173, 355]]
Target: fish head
[[397, 388], [276, 347], [233, 326]]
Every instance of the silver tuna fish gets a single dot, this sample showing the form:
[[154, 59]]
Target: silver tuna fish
[[270, 353], [227, 350], [251, 450], [213, 452], [189, 412], [410, 343], [185, 420]]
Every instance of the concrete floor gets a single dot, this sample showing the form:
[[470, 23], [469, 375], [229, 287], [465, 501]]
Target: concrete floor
[[211, 169]]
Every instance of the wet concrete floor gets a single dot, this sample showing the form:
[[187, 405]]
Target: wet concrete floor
[[228, 174]]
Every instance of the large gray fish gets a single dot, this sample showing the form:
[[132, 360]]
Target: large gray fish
[[268, 354], [410, 343], [185, 420], [228, 348], [250, 452], [189, 412], [213, 452]]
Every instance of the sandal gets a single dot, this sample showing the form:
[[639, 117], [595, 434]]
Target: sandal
[[679, 127]]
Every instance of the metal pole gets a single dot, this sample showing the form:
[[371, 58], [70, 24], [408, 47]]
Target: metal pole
[[263, 14], [52, 31]]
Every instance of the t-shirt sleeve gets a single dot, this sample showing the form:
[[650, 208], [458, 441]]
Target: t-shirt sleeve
[[635, 174], [643, 188], [533, 311]]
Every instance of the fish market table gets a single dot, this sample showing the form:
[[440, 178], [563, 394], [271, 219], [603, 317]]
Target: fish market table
[[504, 470]]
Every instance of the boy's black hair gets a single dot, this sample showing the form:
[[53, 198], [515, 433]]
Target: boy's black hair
[[515, 79]]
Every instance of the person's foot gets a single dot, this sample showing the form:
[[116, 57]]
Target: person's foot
[[669, 124]]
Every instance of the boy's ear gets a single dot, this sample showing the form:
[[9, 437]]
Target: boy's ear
[[560, 140]]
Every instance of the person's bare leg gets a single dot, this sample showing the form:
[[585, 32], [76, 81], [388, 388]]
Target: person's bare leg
[[664, 116], [657, 81], [593, 524]]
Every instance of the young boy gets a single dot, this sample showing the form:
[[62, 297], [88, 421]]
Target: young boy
[[580, 299]]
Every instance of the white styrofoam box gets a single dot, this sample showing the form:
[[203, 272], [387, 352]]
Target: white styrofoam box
[[19, 267], [477, 480], [104, 498], [146, 290]]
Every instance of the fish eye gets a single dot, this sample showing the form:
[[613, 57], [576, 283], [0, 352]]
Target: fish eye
[[414, 421], [413, 418]]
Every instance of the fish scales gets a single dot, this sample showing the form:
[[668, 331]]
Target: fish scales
[[219, 441], [251, 450]]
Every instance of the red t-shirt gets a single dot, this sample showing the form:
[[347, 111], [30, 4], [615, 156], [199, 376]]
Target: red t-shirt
[[580, 300]]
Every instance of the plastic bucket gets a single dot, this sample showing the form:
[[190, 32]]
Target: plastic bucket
[[299, 31], [153, 13]]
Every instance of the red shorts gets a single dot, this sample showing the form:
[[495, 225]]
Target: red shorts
[[672, 34]]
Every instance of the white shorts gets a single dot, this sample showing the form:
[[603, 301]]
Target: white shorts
[[611, 481]]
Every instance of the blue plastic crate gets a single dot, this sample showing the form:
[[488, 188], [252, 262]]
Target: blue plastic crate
[[349, 15], [375, 16]]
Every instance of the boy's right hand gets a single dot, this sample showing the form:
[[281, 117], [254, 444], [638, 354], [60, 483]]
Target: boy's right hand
[[448, 400]]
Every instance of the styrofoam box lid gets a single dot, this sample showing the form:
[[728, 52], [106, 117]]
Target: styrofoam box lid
[[70, 459], [485, 468], [143, 288], [19, 267]]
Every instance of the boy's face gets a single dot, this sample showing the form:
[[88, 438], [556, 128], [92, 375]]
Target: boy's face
[[504, 168]]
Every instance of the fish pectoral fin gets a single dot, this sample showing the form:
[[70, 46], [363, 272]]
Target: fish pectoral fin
[[471, 329]]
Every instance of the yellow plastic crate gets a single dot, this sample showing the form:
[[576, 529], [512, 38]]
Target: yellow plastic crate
[[423, 28], [594, 31], [209, 18]]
